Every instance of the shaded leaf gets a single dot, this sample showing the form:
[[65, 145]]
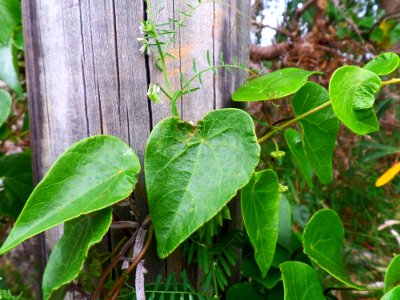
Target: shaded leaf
[[260, 210], [392, 276], [383, 64], [9, 67], [251, 270], [241, 291], [69, 254], [320, 129], [92, 174], [10, 16], [285, 223], [274, 85], [352, 91], [192, 172], [5, 106], [300, 281], [323, 241]]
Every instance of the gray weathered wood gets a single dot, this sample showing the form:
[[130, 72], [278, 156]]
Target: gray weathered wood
[[86, 76]]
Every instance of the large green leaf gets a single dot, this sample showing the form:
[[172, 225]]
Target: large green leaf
[[16, 183], [295, 143], [69, 254], [9, 67], [323, 240], [260, 209], [352, 91], [5, 106], [192, 172], [300, 282], [320, 129], [392, 276], [393, 294], [383, 64], [10, 16], [92, 174], [274, 85]]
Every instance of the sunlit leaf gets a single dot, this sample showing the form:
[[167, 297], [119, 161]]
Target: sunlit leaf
[[392, 276], [383, 64], [393, 294]]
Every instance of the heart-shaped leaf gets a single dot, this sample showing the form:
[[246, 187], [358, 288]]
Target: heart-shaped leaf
[[5, 106], [274, 85], [192, 172], [383, 64], [300, 281], [393, 294], [69, 254], [352, 91], [260, 209], [319, 129], [323, 241], [392, 276], [92, 174]]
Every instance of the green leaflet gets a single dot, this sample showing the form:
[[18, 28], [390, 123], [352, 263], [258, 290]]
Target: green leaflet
[[92, 174], [295, 143], [323, 240], [5, 106], [352, 91], [274, 85], [10, 16], [192, 172], [393, 294], [320, 129], [392, 276], [300, 282], [69, 254], [383, 64], [9, 67], [17, 185], [260, 210]]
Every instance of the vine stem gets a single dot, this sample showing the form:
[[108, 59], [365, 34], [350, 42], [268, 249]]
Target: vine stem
[[292, 121], [391, 81]]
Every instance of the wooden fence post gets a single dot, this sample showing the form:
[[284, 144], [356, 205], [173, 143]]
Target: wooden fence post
[[86, 76]]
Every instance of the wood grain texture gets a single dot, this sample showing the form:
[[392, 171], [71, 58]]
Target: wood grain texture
[[86, 76]]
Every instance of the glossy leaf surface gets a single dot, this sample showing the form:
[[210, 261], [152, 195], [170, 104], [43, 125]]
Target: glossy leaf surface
[[320, 129], [92, 174], [260, 210], [393, 294], [352, 91], [274, 85], [383, 64], [392, 276], [192, 172], [300, 282], [10, 16], [5, 106], [69, 254], [9, 67], [323, 241]]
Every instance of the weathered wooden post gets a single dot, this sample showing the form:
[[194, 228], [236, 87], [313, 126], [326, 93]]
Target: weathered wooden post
[[86, 76]]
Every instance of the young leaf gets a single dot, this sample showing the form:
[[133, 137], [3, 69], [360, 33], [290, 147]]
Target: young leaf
[[352, 91], [260, 209], [92, 174], [192, 172], [300, 281], [323, 241], [69, 254], [392, 276], [383, 64], [5, 106], [393, 294], [274, 85], [293, 139], [319, 128]]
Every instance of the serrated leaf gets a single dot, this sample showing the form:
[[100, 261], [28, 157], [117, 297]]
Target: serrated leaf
[[274, 85], [69, 254], [260, 210], [16, 181], [352, 91], [300, 281], [9, 67], [392, 276], [10, 16], [192, 172], [320, 129], [295, 144], [393, 294], [323, 241], [5, 106], [92, 174], [383, 64]]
